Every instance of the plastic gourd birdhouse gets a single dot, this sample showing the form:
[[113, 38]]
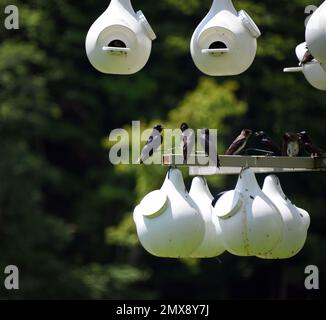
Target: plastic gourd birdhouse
[[251, 224], [225, 42], [167, 220], [312, 71], [120, 40], [295, 222], [316, 35], [211, 245]]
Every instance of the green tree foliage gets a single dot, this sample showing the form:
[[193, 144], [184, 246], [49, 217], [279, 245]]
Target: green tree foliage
[[66, 212]]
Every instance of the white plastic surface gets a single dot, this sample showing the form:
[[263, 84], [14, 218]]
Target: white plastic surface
[[295, 222], [229, 204], [253, 226], [142, 19], [238, 35], [316, 34], [300, 50], [179, 229], [315, 75], [249, 23], [119, 22], [154, 204], [211, 245], [313, 71]]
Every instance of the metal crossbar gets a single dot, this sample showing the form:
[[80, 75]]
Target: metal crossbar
[[199, 165]]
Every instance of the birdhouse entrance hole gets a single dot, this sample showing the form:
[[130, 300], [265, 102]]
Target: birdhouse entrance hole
[[117, 44], [117, 47], [218, 45], [216, 48]]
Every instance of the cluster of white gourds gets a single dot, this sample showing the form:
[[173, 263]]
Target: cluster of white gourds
[[246, 221], [224, 43]]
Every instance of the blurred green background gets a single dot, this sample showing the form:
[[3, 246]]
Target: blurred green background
[[66, 212]]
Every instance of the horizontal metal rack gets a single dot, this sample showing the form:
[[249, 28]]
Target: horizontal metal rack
[[198, 164]]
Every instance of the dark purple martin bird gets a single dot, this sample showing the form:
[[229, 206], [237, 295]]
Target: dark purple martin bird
[[152, 144], [308, 146], [268, 144], [308, 57], [187, 141], [208, 144], [291, 146], [239, 143]]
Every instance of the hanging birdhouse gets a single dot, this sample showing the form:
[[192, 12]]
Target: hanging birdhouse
[[168, 221], [316, 35], [295, 222], [211, 245], [225, 42], [312, 69], [120, 40], [251, 224]]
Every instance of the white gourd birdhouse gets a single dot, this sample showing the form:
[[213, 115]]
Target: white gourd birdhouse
[[211, 245], [120, 40], [312, 71], [168, 221], [295, 222], [251, 224], [316, 35], [225, 42]]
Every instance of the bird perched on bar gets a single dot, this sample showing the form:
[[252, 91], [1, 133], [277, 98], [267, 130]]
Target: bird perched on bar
[[208, 144], [187, 141], [239, 143], [291, 146], [308, 146], [153, 143], [268, 144], [308, 57]]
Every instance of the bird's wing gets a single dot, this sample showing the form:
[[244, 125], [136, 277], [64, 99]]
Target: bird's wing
[[184, 146], [191, 141], [284, 148], [187, 143], [271, 145], [213, 156], [152, 145], [307, 58], [150, 139], [236, 144], [202, 140], [313, 149]]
